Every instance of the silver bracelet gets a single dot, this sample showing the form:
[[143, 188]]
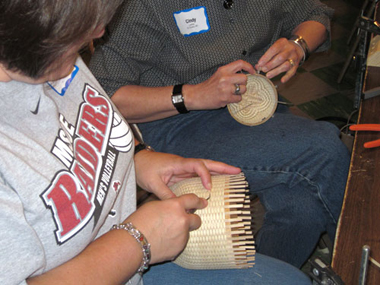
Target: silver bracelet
[[300, 41], [140, 238]]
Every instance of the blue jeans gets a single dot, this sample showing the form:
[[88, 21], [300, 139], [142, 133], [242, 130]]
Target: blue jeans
[[297, 167], [265, 271]]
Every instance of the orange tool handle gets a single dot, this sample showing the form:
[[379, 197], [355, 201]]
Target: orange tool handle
[[365, 127], [372, 144]]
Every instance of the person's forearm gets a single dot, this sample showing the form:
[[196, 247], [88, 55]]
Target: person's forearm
[[140, 104], [144, 104], [111, 259], [313, 32]]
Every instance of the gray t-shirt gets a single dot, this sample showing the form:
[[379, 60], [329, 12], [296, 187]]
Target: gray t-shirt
[[66, 172]]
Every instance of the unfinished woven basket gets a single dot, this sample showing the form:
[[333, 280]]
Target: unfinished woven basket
[[225, 238], [258, 103]]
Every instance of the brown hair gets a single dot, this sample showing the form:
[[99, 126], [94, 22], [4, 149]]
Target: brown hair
[[34, 33]]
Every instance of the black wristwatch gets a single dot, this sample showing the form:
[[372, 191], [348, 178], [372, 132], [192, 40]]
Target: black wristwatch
[[142, 146], [177, 99]]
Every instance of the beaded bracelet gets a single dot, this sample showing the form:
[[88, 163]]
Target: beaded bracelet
[[140, 238]]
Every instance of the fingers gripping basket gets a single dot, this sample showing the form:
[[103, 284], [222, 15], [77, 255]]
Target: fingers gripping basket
[[258, 103], [225, 238]]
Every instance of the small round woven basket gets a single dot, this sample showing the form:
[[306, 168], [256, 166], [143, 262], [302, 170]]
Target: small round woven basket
[[225, 239], [258, 103]]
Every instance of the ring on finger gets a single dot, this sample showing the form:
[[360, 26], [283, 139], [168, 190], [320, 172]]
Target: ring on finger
[[291, 61], [237, 89]]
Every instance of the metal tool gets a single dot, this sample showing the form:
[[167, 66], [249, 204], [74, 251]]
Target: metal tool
[[322, 274], [364, 264], [363, 26]]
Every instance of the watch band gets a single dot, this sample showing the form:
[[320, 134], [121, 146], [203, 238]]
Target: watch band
[[142, 146], [300, 41], [178, 100]]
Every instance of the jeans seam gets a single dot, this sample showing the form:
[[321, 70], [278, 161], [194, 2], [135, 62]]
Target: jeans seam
[[308, 180]]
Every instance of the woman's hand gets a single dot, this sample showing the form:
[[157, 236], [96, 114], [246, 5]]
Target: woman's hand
[[166, 224], [285, 55], [156, 171], [115, 256], [219, 90], [282, 56]]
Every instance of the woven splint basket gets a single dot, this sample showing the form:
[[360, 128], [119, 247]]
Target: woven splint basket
[[225, 238], [258, 103]]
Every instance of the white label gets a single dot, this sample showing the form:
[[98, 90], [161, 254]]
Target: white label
[[192, 21]]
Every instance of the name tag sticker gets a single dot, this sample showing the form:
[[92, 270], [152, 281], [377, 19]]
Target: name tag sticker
[[60, 86], [192, 21]]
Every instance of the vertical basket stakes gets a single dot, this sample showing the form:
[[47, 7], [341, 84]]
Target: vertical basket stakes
[[225, 238]]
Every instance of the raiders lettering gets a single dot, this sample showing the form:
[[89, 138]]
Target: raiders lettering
[[77, 193]]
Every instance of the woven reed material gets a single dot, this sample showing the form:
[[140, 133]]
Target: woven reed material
[[258, 103], [225, 238]]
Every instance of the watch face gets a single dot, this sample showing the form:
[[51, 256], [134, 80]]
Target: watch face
[[177, 99]]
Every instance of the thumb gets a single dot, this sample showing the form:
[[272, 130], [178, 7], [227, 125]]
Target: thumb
[[163, 192]]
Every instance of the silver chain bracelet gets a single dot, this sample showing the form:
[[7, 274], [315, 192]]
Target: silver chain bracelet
[[140, 238]]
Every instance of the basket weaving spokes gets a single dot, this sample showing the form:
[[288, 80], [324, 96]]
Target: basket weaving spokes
[[225, 239]]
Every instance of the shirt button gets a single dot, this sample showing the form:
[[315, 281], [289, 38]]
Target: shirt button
[[228, 4]]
